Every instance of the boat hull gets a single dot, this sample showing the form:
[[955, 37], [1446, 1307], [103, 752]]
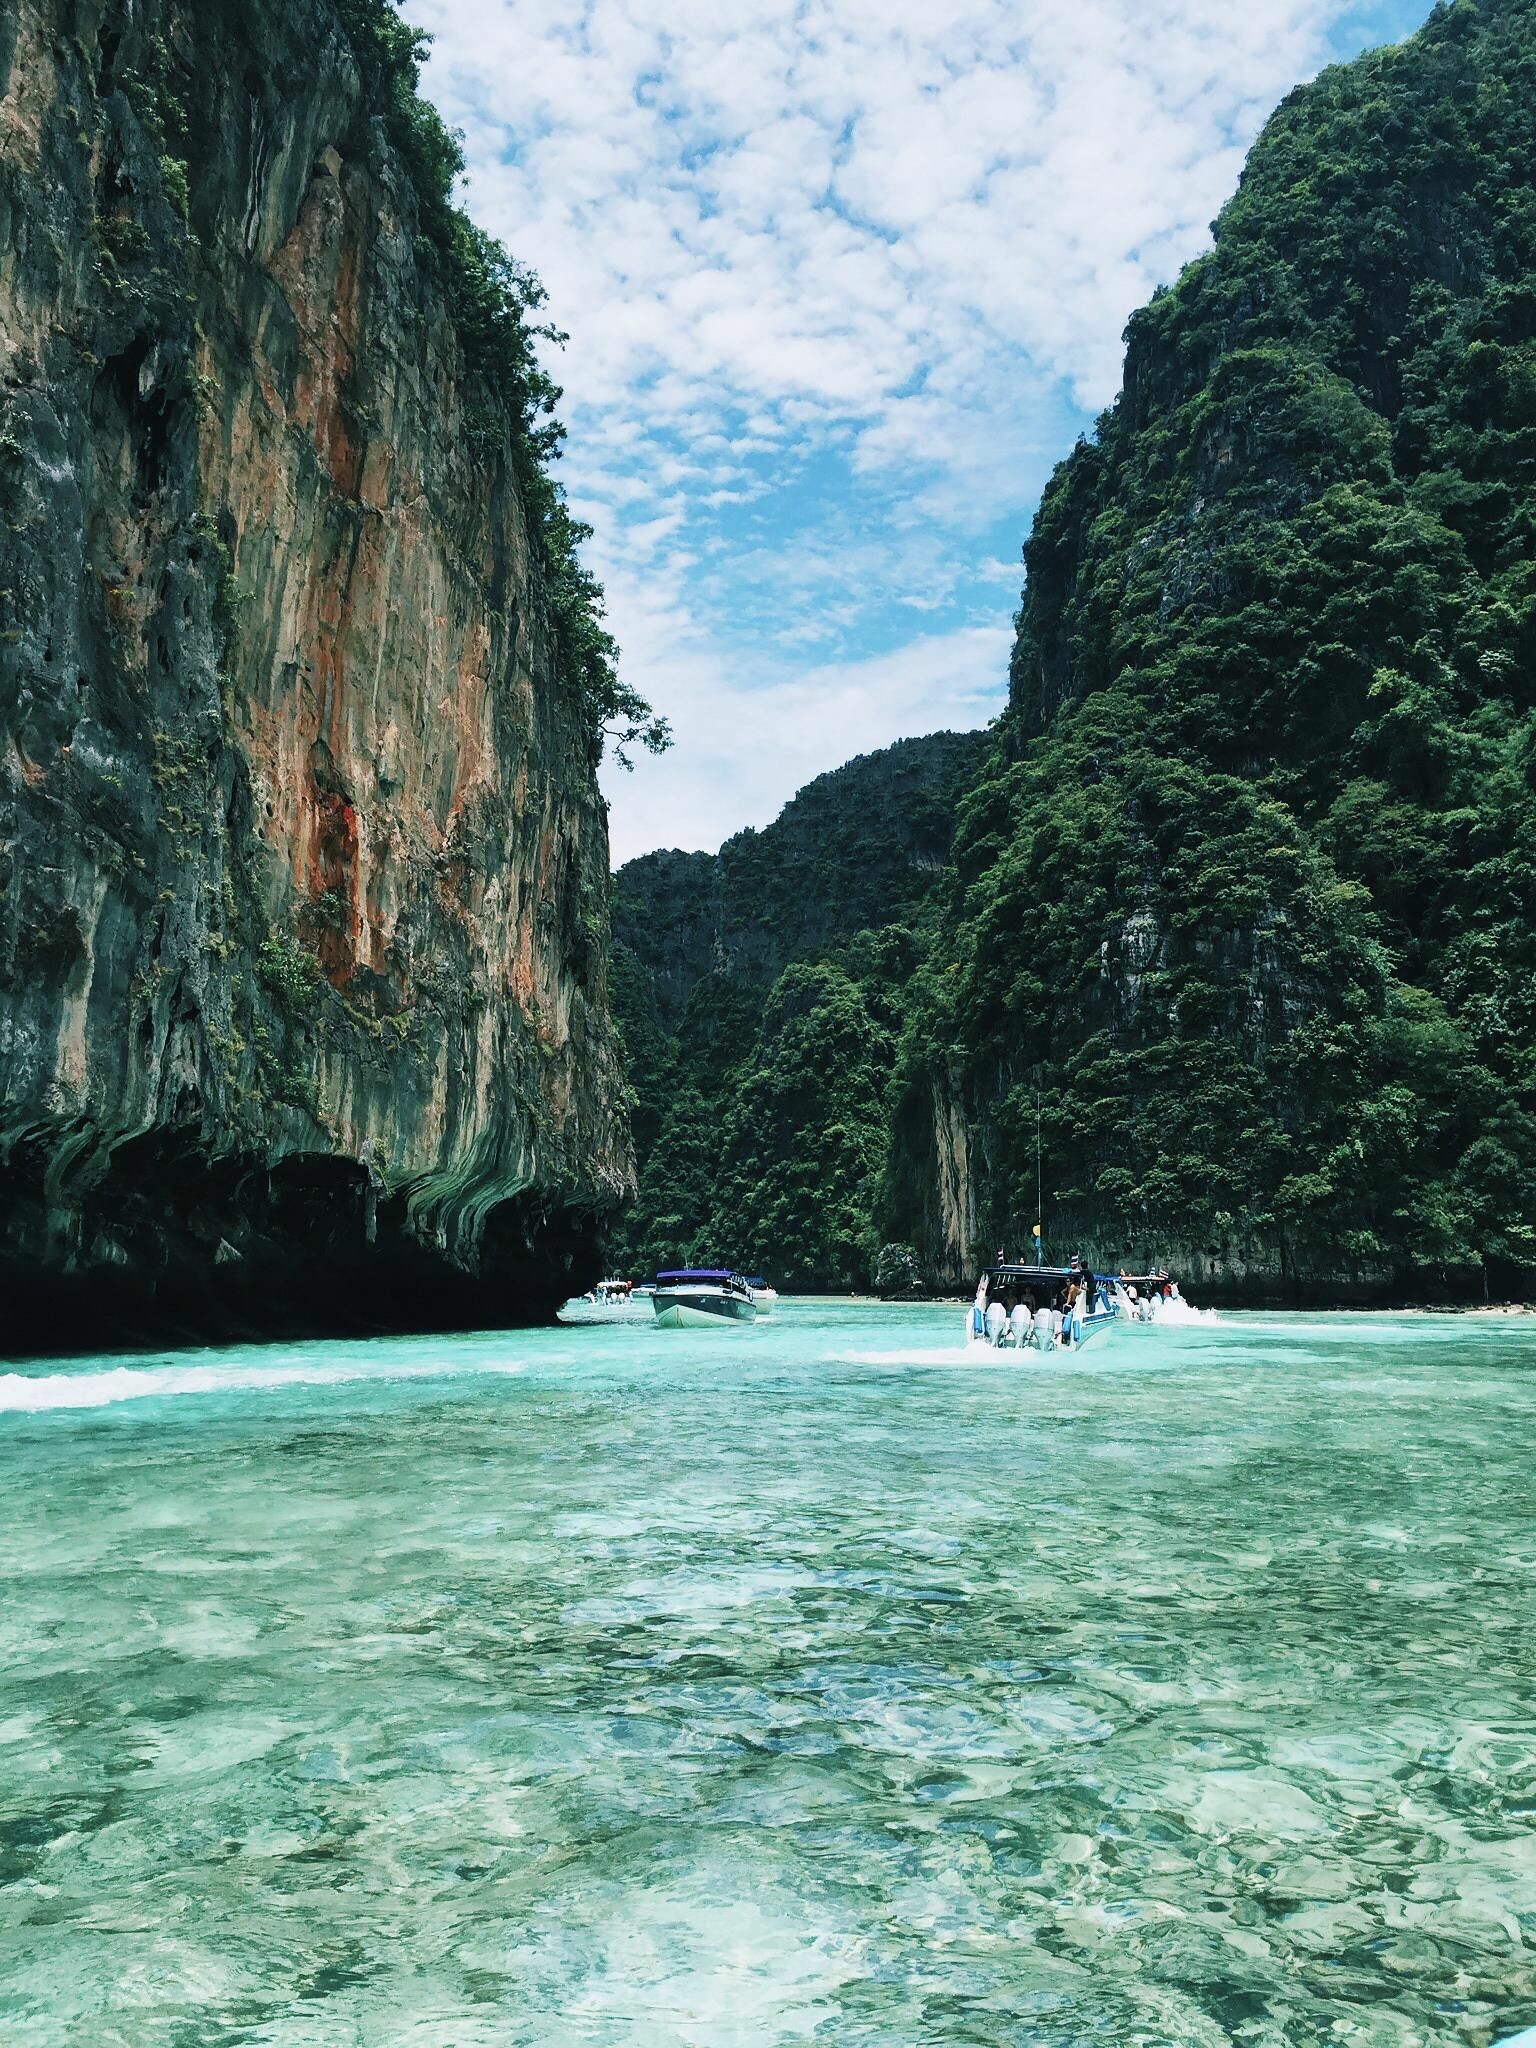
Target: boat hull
[[700, 1309], [1092, 1326]]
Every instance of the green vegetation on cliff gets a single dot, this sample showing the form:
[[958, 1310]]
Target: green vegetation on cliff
[[1245, 882], [1247, 887], [493, 299], [762, 992]]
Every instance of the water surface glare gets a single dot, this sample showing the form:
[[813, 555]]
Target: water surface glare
[[802, 1683]]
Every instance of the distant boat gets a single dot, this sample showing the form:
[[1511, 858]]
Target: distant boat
[[1136, 1294], [698, 1297], [1154, 1298], [1015, 1307], [610, 1301], [1175, 1309], [764, 1298]]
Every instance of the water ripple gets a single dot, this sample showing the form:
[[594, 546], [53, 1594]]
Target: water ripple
[[591, 1690]]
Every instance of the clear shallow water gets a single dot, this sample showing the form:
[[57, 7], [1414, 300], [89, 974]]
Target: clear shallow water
[[805, 1683]]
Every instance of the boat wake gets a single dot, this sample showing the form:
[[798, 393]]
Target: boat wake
[[26, 1394], [913, 1357], [974, 1357]]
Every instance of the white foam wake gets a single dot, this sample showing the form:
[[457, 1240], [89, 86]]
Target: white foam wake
[[954, 1354], [1174, 1315], [24, 1393]]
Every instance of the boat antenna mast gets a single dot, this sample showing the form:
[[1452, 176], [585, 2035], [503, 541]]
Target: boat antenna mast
[[1039, 1201]]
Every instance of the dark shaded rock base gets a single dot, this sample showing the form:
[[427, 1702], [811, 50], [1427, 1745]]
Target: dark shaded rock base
[[174, 1249]]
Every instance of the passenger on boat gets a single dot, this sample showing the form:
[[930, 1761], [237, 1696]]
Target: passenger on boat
[[1082, 1284]]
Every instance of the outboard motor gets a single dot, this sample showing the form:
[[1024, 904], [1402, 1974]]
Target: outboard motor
[[997, 1322], [1045, 1330], [1019, 1324]]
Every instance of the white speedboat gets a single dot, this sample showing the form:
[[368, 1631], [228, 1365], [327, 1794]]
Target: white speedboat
[[1175, 1309], [610, 1301], [1138, 1295], [765, 1299], [1154, 1298], [1018, 1308], [702, 1297]]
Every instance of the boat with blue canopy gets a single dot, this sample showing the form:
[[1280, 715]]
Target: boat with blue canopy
[[1041, 1308], [701, 1297]]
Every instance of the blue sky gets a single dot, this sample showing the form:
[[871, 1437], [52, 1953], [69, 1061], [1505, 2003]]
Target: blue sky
[[843, 280]]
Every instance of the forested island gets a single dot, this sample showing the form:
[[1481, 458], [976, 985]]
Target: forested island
[[1241, 887], [309, 973]]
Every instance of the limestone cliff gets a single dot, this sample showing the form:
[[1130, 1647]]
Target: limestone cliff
[[302, 861], [862, 846], [761, 991], [1245, 889]]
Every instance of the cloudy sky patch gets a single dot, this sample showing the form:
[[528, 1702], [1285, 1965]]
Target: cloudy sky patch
[[843, 280]]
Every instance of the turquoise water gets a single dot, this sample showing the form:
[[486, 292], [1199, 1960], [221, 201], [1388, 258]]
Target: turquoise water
[[805, 1683]]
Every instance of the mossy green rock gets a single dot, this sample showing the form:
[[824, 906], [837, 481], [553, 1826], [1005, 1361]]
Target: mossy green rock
[[1247, 889], [303, 934]]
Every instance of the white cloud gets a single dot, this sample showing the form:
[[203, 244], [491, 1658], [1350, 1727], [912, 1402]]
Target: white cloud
[[749, 750], [842, 278]]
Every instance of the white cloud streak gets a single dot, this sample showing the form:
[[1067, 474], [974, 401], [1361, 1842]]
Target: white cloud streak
[[841, 277]]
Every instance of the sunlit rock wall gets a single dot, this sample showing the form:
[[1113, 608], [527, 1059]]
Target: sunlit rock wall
[[303, 928]]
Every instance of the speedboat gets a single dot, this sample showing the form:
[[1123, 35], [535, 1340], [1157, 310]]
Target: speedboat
[[1154, 1298], [1173, 1308], [1016, 1308], [700, 1297], [764, 1298], [1139, 1295], [610, 1301]]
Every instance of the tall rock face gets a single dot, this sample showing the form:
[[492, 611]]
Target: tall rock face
[[860, 847], [1247, 893], [303, 866], [761, 991]]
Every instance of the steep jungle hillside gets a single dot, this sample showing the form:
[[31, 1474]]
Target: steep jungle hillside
[[1248, 886], [762, 991], [303, 867]]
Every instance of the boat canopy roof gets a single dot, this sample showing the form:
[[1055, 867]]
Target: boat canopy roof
[[1011, 1272], [697, 1273]]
